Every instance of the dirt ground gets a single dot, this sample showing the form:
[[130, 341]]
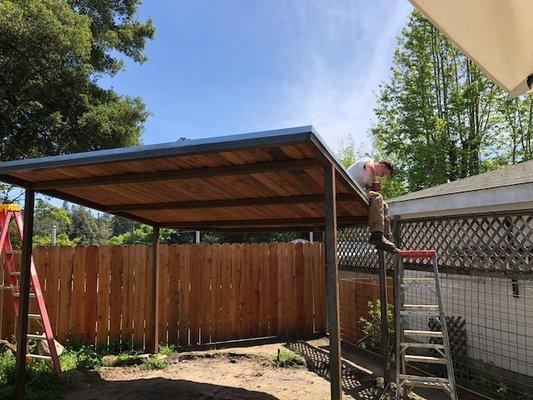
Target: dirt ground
[[229, 374], [235, 373]]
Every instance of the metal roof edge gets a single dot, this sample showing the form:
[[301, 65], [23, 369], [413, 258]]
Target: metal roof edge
[[193, 146]]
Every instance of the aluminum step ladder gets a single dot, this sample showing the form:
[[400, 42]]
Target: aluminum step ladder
[[406, 382], [11, 278]]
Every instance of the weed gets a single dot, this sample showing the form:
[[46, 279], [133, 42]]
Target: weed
[[288, 358], [166, 349], [125, 359], [69, 360], [215, 354], [153, 363]]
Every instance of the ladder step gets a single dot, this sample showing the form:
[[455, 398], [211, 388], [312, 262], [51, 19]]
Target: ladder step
[[423, 378], [412, 333], [8, 287], [15, 273], [34, 316], [39, 357], [32, 294], [421, 307], [425, 359], [36, 336], [427, 385], [422, 345], [430, 313], [419, 280]]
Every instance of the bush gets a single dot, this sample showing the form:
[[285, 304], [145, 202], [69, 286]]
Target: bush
[[372, 327], [288, 358]]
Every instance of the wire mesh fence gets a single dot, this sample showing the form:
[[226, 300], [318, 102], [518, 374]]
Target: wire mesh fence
[[486, 265]]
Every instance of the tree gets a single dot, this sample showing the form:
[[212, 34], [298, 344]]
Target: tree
[[88, 229], [440, 118], [120, 225], [46, 215], [51, 54]]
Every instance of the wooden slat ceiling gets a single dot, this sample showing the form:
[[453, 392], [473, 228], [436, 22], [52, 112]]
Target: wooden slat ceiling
[[271, 180]]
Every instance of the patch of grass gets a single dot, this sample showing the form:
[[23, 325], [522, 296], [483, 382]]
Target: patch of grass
[[153, 363], [288, 358], [166, 349]]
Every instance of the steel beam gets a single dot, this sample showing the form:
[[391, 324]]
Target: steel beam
[[332, 276], [25, 273], [156, 283]]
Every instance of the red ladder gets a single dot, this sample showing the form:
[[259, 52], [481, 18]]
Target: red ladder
[[11, 283]]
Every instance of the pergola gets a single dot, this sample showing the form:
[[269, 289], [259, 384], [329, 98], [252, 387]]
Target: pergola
[[275, 180]]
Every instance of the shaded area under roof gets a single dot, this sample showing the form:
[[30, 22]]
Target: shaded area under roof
[[272, 180]]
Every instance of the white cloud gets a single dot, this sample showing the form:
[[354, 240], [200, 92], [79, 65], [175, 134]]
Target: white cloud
[[337, 94]]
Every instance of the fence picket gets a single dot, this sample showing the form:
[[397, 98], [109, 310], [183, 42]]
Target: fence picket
[[208, 293]]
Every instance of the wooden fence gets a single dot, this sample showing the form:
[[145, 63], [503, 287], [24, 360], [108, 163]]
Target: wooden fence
[[209, 293], [354, 296]]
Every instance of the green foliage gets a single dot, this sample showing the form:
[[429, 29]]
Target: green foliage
[[166, 349], [120, 225], [88, 229], [154, 363], [288, 358], [47, 215], [69, 360], [440, 119], [126, 359], [372, 327], [255, 237], [62, 239], [51, 51], [142, 234], [41, 382]]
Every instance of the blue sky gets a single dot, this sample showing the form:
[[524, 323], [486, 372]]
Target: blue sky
[[233, 66]]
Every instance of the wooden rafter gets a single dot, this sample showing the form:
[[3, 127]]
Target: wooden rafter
[[205, 172]]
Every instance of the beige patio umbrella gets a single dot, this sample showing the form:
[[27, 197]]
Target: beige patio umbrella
[[496, 34]]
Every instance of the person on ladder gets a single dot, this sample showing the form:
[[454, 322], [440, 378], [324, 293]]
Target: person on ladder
[[365, 172]]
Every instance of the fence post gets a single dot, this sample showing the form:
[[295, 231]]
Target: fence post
[[384, 321]]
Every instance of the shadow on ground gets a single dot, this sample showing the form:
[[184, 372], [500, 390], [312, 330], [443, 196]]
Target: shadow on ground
[[96, 388], [358, 383]]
